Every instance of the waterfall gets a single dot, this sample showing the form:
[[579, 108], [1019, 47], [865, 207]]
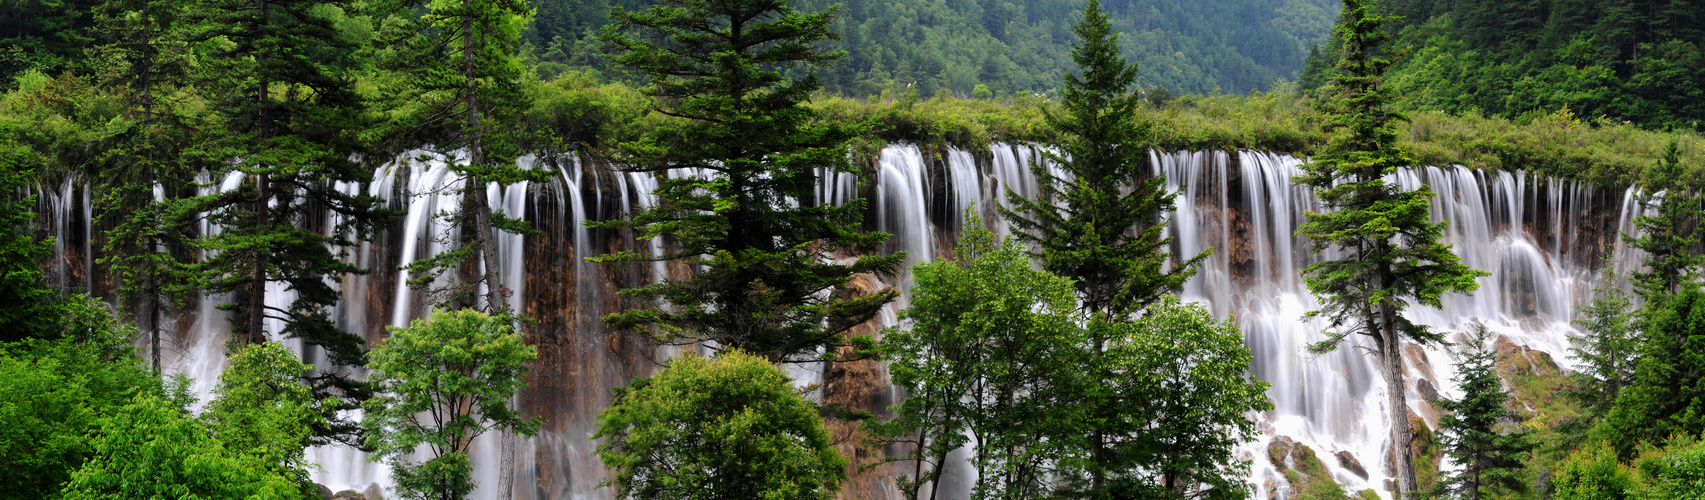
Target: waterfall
[[1542, 240]]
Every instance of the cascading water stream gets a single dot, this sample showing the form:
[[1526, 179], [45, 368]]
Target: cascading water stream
[[1540, 238]]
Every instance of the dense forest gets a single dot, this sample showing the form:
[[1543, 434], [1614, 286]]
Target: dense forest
[[1635, 61], [227, 146]]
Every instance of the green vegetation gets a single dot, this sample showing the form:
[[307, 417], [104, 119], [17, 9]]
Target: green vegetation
[[262, 408], [1392, 254], [730, 427], [1610, 60], [440, 383], [769, 282], [1082, 221], [1478, 433], [151, 449], [1139, 408]]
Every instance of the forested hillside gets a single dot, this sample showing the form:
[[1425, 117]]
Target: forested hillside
[[1617, 60], [1184, 46]]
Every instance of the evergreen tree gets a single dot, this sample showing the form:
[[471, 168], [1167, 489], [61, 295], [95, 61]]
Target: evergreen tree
[[1667, 396], [1608, 351], [278, 74], [1391, 250], [458, 82], [1102, 222], [1482, 437], [739, 166], [1669, 236], [145, 177]]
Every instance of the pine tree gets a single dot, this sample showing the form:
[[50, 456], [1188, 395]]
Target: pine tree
[[458, 78], [145, 175], [1482, 437], [1608, 351], [746, 220], [1085, 223], [1667, 395], [1669, 236], [279, 78], [1392, 254]]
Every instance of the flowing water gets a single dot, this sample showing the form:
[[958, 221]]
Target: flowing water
[[1541, 239]]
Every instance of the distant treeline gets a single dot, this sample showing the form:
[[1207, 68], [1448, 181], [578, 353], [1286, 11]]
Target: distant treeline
[[1636, 61]]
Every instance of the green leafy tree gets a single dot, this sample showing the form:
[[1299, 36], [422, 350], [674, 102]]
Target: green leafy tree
[[1157, 411], [53, 394], [150, 449], [1102, 223], [1608, 352], [984, 354], [1392, 256], [1012, 368], [278, 74], [262, 408], [440, 383], [457, 79], [727, 428], [1669, 236], [26, 303], [1483, 437], [739, 165]]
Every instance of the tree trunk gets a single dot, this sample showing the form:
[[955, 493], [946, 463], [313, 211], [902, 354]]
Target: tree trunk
[[257, 285], [494, 301], [1391, 356]]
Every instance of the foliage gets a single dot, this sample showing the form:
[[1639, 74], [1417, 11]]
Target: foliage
[[731, 427], [150, 449], [1479, 434], [1607, 354], [1667, 237], [262, 408], [1667, 396], [997, 354], [985, 350], [1390, 246], [53, 394], [1676, 470], [1101, 220], [275, 72], [439, 383], [1617, 61], [1592, 473], [739, 168], [465, 102]]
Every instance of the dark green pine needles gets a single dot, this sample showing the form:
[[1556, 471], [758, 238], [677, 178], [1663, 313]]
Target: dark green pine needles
[[1108, 234], [1483, 438], [764, 251], [1390, 246], [280, 81]]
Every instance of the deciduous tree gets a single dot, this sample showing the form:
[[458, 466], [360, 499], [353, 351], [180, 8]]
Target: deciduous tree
[[440, 383], [727, 428]]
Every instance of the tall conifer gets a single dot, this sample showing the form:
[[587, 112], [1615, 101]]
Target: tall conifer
[[738, 169], [1483, 438], [278, 74], [1391, 252], [1669, 236], [145, 175], [458, 80], [1103, 222]]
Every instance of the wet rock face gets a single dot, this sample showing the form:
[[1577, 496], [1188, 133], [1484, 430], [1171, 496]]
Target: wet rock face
[[1349, 463]]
